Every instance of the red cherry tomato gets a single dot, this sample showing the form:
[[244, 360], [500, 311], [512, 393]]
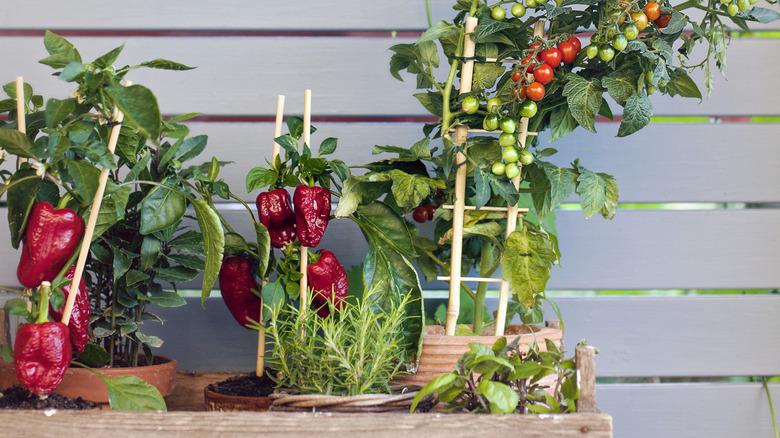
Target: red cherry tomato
[[568, 52], [543, 74], [576, 41], [519, 93], [517, 75], [663, 21], [552, 57], [430, 210], [535, 91], [420, 214]]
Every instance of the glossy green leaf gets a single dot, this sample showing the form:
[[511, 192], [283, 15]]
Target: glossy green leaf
[[16, 143], [213, 244], [139, 107], [162, 208], [501, 398], [129, 393]]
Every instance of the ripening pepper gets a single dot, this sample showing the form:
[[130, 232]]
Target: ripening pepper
[[42, 351], [276, 214], [236, 280], [79, 317], [328, 279], [50, 239], [312, 213]]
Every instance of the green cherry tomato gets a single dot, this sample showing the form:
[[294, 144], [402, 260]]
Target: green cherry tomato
[[510, 155], [630, 31], [619, 42], [508, 125], [511, 170], [725, 2], [650, 90], [470, 105], [733, 9], [649, 77], [752, 2], [490, 122], [528, 108], [606, 53], [592, 51], [743, 5], [498, 168], [518, 10], [493, 103], [507, 140], [530, 3], [498, 13], [526, 157]]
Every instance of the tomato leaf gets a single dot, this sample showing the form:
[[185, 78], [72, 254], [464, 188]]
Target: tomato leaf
[[680, 84], [584, 99], [620, 87], [526, 262], [636, 114]]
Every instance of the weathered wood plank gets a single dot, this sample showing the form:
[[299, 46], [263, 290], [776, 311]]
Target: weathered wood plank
[[293, 425], [188, 393]]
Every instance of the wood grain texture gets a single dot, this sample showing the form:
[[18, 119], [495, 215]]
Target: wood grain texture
[[294, 425], [351, 76], [585, 357]]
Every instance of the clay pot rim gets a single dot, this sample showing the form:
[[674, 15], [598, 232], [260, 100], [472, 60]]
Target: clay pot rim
[[166, 362], [214, 394]]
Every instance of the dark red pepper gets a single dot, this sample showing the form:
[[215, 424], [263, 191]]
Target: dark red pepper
[[236, 281], [328, 279], [50, 239], [79, 318], [312, 213], [42, 351], [276, 214]]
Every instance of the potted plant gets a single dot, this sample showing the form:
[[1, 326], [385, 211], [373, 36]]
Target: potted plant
[[142, 243], [515, 83]]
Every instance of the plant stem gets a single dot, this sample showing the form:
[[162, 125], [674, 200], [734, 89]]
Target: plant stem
[[428, 12], [479, 299], [771, 406], [43, 302]]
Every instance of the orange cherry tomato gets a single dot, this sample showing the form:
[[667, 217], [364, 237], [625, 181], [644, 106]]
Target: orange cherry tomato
[[535, 91], [640, 20], [652, 10]]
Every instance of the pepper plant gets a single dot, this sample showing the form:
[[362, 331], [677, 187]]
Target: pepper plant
[[143, 244], [637, 48]]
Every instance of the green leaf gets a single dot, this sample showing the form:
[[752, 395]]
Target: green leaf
[[436, 31], [165, 64], [139, 106], [16, 143], [482, 188], [167, 299], [108, 58], [72, 71], [438, 384], [410, 190], [213, 244], [526, 262], [263, 248], [191, 148], [85, 178], [176, 274], [636, 114], [129, 393], [259, 178], [561, 123], [151, 248], [676, 24], [112, 209], [584, 99], [592, 188], [620, 87], [488, 27], [134, 277], [61, 51], [763, 15], [94, 356], [57, 110], [161, 208], [328, 146], [680, 84], [21, 197], [501, 398], [486, 75], [550, 185], [609, 209], [273, 296], [431, 101]]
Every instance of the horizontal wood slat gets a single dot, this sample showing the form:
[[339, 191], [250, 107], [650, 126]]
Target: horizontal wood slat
[[664, 163], [347, 75]]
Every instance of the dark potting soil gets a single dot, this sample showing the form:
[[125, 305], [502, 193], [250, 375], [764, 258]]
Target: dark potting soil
[[17, 397], [247, 385]]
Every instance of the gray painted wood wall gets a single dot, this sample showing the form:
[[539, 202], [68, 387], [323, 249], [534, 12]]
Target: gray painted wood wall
[[247, 52]]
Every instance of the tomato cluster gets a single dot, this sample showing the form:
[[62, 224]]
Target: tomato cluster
[[517, 9]]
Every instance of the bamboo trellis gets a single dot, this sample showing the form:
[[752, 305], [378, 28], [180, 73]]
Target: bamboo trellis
[[459, 206]]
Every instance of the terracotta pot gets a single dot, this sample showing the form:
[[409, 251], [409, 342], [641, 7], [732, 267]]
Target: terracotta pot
[[234, 403], [440, 353], [79, 382]]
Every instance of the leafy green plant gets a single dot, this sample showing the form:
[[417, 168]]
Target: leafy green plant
[[503, 379], [357, 349]]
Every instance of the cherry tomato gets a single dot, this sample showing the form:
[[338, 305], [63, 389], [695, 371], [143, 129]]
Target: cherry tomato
[[743, 5], [535, 91], [430, 209], [470, 105], [507, 140], [640, 20], [528, 108], [526, 157], [498, 168], [530, 3], [511, 170], [519, 93], [630, 31], [509, 154], [543, 74], [649, 77], [490, 122], [619, 42], [420, 214], [493, 103], [592, 51], [606, 53], [518, 10], [652, 10], [576, 41], [650, 90], [552, 57], [568, 52], [508, 125], [498, 13], [517, 75], [663, 21]]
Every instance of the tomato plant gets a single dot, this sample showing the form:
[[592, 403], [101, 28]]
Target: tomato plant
[[544, 73], [535, 91]]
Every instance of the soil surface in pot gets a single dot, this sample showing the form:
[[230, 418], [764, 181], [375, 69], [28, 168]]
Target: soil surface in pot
[[124, 363], [247, 385], [17, 397]]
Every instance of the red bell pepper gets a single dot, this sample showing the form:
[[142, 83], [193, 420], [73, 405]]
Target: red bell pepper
[[312, 213], [236, 280], [42, 350], [276, 214], [328, 279], [79, 318], [51, 237]]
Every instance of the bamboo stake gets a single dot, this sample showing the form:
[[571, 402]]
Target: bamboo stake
[[304, 251], [512, 213], [21, 126], [260, 364], [118, 117], [461, 133]]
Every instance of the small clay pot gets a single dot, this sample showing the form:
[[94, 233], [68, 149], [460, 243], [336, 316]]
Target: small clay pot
[[80, 382], [234, 403]]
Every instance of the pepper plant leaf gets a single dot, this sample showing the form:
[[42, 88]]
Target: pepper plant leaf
[[139, 106], [162, 208], [213, 244], [16, 143], [129, 393]]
